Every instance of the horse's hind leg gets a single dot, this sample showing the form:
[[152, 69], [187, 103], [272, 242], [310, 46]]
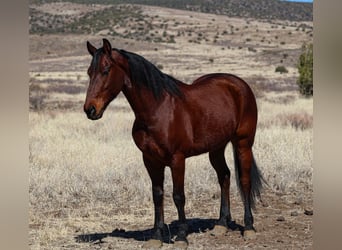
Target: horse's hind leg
[[218, 161], [244, 163]]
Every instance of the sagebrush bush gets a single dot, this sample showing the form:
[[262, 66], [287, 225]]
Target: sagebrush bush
[[298, 120], [281, 69], [305, 69]]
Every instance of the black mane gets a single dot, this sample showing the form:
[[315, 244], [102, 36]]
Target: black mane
[[143, 72]]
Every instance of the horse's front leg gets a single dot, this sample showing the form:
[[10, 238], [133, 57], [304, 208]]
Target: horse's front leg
[[178, 170], [156, 172]]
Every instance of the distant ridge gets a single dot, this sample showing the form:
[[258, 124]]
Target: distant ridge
[[259, 9]]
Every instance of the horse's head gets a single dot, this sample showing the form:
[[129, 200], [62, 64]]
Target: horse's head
[[106, 79]]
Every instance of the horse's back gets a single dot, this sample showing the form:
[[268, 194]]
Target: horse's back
[[223, 84], [222, 79]]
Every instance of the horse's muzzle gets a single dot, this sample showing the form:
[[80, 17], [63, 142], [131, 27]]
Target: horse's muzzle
[[91, 113]]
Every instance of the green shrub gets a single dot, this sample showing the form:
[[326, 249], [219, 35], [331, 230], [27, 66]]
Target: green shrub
[[305, 69], [281, 69]]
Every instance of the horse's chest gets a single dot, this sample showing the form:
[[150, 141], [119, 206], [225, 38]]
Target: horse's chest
[[149, 144]]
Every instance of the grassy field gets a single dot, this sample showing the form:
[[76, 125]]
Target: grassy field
[[92, 156], [88, 186]]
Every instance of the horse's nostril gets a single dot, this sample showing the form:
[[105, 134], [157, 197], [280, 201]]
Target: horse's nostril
[[91, 111]]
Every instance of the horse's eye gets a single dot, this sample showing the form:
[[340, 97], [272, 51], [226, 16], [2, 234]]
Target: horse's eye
[[106, 71]]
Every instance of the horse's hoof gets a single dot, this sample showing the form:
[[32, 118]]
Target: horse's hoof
[[180, 244], [249, 235], [219, 230], [153, 244]]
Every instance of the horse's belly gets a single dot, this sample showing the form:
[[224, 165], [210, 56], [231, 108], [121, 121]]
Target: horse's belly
[[210, 138]]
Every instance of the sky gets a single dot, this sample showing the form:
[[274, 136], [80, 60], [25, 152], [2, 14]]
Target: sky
[[306, 1]]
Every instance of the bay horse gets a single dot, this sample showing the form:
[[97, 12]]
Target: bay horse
[[173, 121]]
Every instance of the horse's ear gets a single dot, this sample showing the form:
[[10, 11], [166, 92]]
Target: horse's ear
[[107, 47], [91, 48]]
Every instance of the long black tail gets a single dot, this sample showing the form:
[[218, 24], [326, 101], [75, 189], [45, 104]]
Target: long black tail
[[257, 180]]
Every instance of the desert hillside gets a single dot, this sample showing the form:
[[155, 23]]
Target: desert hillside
[[261, 9]]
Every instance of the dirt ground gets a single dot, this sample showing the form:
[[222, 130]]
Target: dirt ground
[[281, 223], [283, 220]]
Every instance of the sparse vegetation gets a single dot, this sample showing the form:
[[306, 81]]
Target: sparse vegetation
[[264, 9], [106, 18], [281, 69]]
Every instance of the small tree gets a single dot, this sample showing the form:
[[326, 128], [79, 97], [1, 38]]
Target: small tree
[[305, 69]]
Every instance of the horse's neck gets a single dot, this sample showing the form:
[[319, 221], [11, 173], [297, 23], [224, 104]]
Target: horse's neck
[[142, 101]]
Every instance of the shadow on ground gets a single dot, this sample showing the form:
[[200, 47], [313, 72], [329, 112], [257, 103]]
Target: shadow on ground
[[195, 226]]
